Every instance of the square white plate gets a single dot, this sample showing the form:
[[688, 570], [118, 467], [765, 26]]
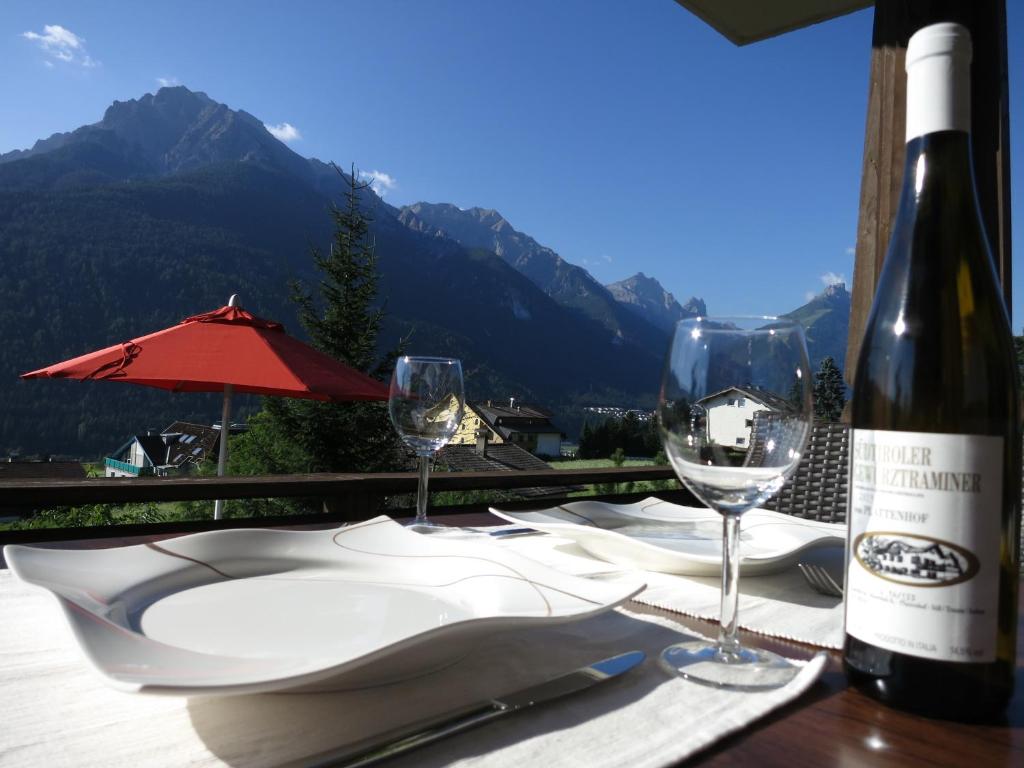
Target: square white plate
[[657, 535], [254, 610]]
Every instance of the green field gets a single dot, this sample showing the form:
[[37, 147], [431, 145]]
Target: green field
[[598, 463], [642, 486]]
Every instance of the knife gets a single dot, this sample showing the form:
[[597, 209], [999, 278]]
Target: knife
[[433, 730]]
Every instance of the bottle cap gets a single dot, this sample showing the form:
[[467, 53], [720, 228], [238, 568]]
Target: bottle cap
[[938, 80], [943, 39]]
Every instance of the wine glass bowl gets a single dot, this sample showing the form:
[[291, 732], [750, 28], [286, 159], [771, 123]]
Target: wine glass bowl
[[425, 429], [426, 403], [734, 412]]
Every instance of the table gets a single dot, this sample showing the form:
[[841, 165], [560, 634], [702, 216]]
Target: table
[[834, 725], [831, 725]]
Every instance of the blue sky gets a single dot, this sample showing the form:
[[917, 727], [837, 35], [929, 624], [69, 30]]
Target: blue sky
[[626, 136]]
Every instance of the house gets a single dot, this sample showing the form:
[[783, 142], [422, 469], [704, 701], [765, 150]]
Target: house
[[526, 426], [481, 456], [729, 414], [176, 449]]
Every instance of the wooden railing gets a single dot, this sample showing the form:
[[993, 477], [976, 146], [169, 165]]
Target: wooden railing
[[344, 497]]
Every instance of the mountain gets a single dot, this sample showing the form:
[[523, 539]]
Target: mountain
[[826, 321], [569, 285], [646, 297], [173, 201], [171, 132]]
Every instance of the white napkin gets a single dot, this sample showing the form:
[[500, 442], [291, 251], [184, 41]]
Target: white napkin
[[58, 712], [779, 605]]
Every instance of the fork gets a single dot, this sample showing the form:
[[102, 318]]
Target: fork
[[820, 580]]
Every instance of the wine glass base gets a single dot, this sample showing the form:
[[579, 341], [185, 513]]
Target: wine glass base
[[748, 669], [427, 526]]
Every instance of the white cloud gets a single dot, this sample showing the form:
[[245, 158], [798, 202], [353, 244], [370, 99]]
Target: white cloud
[[168, 82], [851, 250], [285, 132], [380, 182], [61, 44], [809, 296], [831, 278], [602, 259]]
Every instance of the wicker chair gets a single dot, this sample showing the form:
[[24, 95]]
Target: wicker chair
[[818, 488]]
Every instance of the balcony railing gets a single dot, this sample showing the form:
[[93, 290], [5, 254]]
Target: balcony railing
[[343, 497]]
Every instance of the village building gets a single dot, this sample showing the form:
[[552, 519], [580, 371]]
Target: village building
[[728, 416], [177, 449], [526, 426], [481, 456]]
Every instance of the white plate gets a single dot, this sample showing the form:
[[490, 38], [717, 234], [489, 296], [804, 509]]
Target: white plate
[[656, 535], [245, 611]]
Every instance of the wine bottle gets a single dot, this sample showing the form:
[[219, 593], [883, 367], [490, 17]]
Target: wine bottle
[[934, 512]]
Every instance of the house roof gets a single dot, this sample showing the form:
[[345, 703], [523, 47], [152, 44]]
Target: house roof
[[180, 443], [154, 448], [505, 419], [505, 457], [769, 399], [191, 443], [520, 411]]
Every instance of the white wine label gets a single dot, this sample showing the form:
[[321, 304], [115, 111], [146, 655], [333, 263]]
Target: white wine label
[[923, 550]]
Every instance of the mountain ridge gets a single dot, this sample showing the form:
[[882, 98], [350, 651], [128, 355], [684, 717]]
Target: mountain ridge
[[569, 284], [826, 321], [144, 236], [173, 201], [648, 298]]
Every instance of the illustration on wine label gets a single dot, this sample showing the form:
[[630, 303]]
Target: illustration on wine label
[[919, 561]]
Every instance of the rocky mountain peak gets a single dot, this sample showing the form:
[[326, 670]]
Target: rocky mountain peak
[[173, 130], [836, 291], [826, 319], [491, 218], [695, 307], [646, 297]]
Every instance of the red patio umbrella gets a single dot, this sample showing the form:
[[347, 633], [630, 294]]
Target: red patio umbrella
[[228, 350]]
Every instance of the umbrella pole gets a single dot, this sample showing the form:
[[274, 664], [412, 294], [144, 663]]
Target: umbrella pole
[[222, 459]]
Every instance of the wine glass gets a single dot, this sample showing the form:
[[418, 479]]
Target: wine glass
[[734, 413], [425, 403]]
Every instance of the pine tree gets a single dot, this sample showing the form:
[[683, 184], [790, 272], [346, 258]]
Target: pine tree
[[829, 391], [290, 435], [344, 323]]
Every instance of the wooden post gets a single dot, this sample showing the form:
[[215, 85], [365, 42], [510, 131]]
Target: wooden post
[[882, 170]]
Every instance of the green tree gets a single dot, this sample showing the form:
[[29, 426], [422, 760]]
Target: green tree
[[343, 321], [628, 434], [829, 391]]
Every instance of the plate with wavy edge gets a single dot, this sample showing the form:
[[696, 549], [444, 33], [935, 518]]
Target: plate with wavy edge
[[258, 610], [657, 535]]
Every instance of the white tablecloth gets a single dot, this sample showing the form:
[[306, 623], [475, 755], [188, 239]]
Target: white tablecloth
[[56, 711], [778, 605]]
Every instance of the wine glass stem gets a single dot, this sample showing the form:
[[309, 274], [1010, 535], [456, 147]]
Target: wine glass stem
[[728, 643], [421, 490]]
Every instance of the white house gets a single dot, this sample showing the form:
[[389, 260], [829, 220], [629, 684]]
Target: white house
[[178, 448], [730, 415]]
